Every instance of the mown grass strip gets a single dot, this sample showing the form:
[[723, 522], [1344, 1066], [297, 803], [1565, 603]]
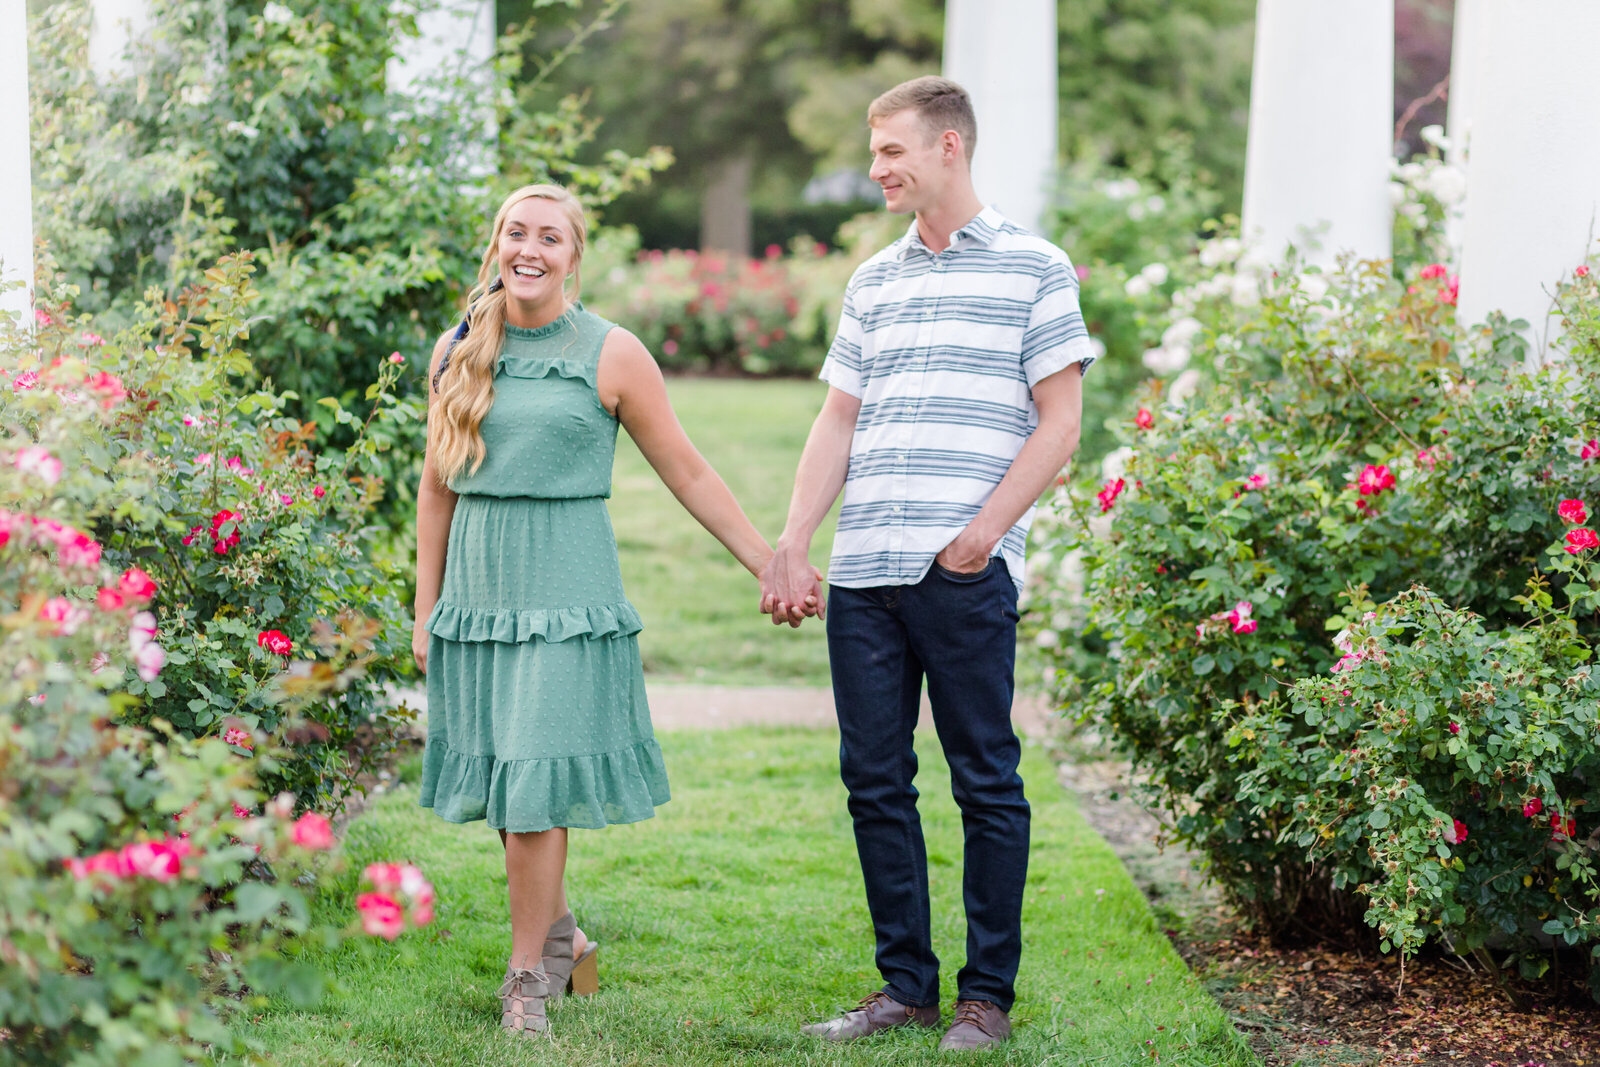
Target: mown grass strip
[[734, 917]]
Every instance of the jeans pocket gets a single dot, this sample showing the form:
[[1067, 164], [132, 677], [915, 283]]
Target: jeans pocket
[[964, 579]]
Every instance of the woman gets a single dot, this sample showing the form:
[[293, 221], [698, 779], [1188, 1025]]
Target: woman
[[537, 719]]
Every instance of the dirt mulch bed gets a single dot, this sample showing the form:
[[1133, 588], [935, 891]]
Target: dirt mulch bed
[[1333, 1006]]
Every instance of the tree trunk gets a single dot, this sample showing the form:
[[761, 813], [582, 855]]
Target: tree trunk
[[725, 207]]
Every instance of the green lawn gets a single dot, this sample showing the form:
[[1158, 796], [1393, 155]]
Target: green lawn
[[734, 917], [699, 606]]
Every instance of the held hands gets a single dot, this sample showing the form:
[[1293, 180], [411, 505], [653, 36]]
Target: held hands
[[791, 588]]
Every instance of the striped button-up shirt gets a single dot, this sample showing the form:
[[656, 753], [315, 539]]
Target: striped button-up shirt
[[943, 350]]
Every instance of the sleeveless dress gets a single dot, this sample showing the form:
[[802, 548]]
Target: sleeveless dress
[[536, 703]]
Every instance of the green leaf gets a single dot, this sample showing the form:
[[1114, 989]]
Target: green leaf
[[1203, 664]]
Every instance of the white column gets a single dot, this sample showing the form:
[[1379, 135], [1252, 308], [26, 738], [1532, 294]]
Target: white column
[[1533, 174], [455, 37], [115, 25], [1321, 127], [16, 184], [1003, 52]]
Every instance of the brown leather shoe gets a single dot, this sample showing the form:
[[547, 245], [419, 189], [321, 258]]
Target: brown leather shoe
[[877, 1011], [978, 1024]]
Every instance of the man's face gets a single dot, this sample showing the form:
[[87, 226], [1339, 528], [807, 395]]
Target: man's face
[[906, 162]]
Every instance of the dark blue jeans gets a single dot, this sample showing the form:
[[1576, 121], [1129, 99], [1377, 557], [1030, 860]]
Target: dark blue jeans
[[960, 631]]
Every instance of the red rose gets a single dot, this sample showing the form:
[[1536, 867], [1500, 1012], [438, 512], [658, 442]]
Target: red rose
[[135, 584], [1573, 512], [1533, 807], [1144, 420], [1374, 479], [1562, 827], [275, 641], [1581, 540]]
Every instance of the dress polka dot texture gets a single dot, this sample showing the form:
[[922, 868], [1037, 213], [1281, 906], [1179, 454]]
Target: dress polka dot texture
[[536, 704]]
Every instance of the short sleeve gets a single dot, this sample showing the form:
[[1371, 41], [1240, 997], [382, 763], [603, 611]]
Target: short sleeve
[[842, 369], [1057, 335]]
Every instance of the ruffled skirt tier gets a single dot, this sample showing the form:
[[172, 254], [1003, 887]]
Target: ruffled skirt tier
[[537, 714]]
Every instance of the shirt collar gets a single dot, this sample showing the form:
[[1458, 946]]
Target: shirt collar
[[979, 231]]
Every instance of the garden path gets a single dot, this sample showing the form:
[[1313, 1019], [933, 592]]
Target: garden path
[[687, 706]]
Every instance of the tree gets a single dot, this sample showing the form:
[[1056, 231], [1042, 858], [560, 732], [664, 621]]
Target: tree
[[751, 95]]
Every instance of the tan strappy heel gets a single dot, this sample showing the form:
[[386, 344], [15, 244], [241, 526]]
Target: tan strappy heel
[[581, 976], [522, 1000]]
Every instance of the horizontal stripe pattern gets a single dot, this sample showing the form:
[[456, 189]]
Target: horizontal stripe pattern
[[943, 351]]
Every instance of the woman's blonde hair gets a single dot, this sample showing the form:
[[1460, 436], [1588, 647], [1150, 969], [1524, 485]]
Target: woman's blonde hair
[[463, 395]]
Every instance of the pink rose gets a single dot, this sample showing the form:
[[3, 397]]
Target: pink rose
[[110, 600], [1581, 540], [42, 317], [385, 877], [136, 585], [1582, 271], [1456, 832], [202, 459], [395, 357], [312, 831], [90, 340], [318, 492], [148, 660], [24, 381], [108, 387], [80, 551], [1374, 479], [1245, 626], [1451, 291], [141, 630], [1144, 420], [380, 916], [275, 641], [1433, 270], [1572, 512], [64, 614], [1109, 492], [158, 860], [37, 460], [236, 736]]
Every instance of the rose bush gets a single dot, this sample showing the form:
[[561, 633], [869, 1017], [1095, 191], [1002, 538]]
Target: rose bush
[[1356, 442], [233, 529], [148, 889]]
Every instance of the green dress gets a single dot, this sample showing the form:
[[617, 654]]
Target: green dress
[[536, 704]]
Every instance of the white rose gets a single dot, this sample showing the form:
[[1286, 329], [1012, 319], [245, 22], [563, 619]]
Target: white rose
[[1181, 333], [1184, 386], [276, 14], [1411, 173], [1155, 273], [195, 95], [1255, 261], [1447, 184], [1136, 286], [1047, 639], [243, 129], [1115, 463], [1246, 291], [1168, 359], [1314, 286], [1397, 194], [1434, 135]]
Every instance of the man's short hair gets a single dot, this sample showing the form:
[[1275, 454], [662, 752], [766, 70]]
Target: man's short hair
[[940, 103]]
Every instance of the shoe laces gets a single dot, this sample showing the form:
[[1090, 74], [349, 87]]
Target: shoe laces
[[971, 1011]]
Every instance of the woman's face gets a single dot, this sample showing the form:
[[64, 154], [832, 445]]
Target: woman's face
[[537, 253]]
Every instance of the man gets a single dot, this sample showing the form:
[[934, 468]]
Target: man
[[955, 399]]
